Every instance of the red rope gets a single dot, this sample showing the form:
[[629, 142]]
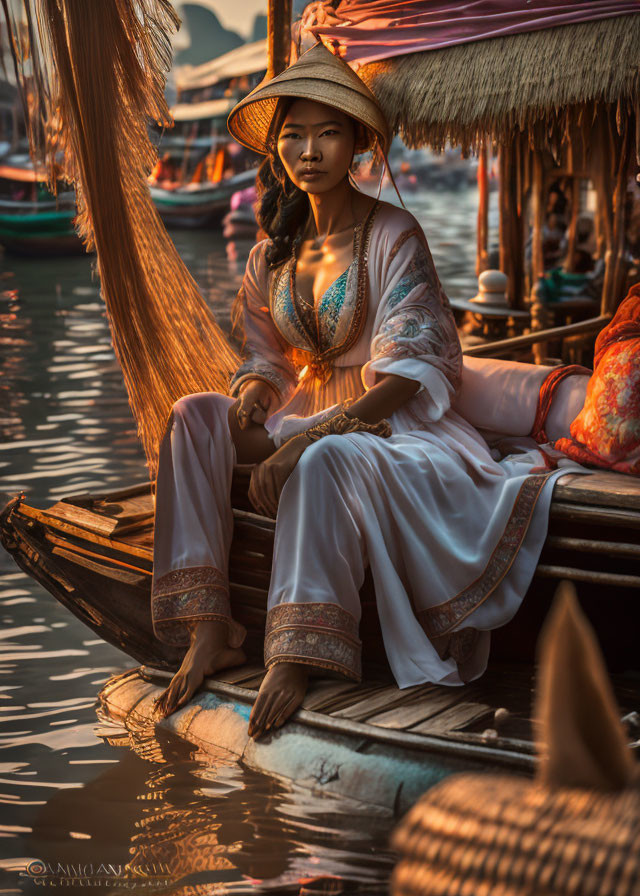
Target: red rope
[[548, 391]]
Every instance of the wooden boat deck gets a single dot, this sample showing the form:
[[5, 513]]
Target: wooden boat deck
[[94, 554], [486, 721]]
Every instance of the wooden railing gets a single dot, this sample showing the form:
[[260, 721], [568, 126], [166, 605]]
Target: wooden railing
[[507, 346]]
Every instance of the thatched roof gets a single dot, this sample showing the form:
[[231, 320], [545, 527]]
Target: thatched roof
[[529, 81]]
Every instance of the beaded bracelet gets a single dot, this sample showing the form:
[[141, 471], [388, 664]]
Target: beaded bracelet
[[341, 423]]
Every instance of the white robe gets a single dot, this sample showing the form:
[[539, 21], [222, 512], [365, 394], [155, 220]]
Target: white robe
[[452, 536]]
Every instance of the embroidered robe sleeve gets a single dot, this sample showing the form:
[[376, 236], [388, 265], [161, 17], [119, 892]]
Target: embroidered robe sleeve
[[414, 332], [264, 349]]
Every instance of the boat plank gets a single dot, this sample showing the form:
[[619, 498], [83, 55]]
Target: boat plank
[[130, 523], [386, 699], [111, 572], [362, 690], [239, 674], [601, 488], [323, 692], [69, 546], [119, 494], [63, 525], [255, 681], [410, 714], [130, 507], [86, 519], [589, 513], [454, 718]]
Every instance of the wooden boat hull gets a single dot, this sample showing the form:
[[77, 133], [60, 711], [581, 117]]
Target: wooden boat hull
[[198, 207], [386, 768], [94, 554], [40, 232]]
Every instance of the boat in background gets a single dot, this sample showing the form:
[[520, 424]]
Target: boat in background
[[197, 202], [200, 167], [32, 220]]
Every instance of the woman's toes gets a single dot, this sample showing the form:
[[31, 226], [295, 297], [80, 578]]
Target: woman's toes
[[281, 693], [288, 709]]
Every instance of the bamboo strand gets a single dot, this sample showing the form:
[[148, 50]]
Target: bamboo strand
[[99, 76]]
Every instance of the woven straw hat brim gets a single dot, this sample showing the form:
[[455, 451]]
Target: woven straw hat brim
[[318, 75]]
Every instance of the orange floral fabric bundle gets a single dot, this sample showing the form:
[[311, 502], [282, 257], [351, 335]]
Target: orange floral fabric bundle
[[606, 433]]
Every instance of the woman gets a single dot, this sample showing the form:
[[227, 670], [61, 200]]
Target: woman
[[342, 302]]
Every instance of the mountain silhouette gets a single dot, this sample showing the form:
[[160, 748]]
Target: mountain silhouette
[[259, 30], [208, 37]]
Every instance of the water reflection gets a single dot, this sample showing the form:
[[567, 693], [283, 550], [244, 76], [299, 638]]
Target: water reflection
[[165, 814], [72, 790]]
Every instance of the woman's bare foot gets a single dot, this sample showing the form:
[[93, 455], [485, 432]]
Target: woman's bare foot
[[208, 653], [281, 693]]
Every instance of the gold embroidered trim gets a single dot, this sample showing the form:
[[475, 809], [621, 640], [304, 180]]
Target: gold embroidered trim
[[184, 596], [319, 634], [441, 619], [362, 239], [399, 243]]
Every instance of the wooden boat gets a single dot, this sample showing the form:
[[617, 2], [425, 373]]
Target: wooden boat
[[207, 93], [197, 205], [94, 554], [32, 221]]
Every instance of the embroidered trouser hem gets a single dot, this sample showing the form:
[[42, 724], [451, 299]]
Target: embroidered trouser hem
[[314, 634], [183, 597]]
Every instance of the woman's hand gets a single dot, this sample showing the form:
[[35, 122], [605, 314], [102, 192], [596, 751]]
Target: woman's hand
[[269, 477], [255, 402]]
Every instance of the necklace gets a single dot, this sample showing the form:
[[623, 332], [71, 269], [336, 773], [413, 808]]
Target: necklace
[[320, 363], [296, 297]]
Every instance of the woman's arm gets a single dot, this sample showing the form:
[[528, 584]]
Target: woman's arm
[[383, 399], [269, 477], [265, 360]]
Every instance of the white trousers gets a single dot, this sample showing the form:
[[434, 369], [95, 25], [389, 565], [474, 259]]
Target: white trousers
[[452, 538]]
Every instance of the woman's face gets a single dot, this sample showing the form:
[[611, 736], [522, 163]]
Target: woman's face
[[316, 145]]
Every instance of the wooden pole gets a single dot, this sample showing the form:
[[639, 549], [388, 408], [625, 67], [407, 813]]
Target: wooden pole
[[575, 205], [619, 263], [482, 242], [539, 313], [511, 231], [515, 343], [607, 155], [538, 209], [278, 36]]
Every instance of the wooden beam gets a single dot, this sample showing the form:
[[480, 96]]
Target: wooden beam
[[482, 235], [592, 546], [619, 262], [598, 516], [505, 346], [604, 165], [611, 579], [278, 36], [510, 208]]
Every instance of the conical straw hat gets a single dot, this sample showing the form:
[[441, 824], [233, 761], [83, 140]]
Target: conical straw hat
[[317, 75]]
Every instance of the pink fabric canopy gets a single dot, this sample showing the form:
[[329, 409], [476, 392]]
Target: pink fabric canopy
[[366, 31]]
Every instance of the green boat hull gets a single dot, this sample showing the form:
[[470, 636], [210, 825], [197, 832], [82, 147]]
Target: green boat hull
[[40, 233]]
